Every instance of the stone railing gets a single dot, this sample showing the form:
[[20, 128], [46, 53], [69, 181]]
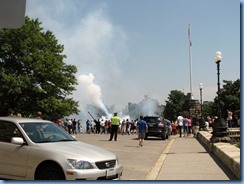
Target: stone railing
[[226, 152]]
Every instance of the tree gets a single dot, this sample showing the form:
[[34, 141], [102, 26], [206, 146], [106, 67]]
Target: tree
[[229, 97], [208, 109], [174, 104], [33, 75], [229, 100]]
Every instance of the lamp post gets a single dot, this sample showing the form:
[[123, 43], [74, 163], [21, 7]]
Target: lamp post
[[200, 88], [218, 57], [220, 133], [202, 122]]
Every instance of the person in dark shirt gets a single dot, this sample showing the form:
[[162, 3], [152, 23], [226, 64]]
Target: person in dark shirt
[[74, 126]]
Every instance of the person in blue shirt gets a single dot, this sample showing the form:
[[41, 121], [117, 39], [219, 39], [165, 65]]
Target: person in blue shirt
[[141, 129], [169, 127]]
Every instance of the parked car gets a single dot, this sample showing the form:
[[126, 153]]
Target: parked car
[[35, 149], [156, 127]]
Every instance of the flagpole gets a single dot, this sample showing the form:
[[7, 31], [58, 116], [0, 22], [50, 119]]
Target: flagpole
[[190, 60]]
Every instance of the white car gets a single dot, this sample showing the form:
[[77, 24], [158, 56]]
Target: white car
[[35, 149]]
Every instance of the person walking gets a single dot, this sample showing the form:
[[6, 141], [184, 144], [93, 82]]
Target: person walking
[[141, 129], [115, 121], [98, 126], [123, 127], [87, 126], [185, 126], [169, 127], [189, 126], [135, 125], [109, 127], [128, 125], [102, 126], [69, 125], [180, 124], [79, 126], [195, 125], [174, 128], [106, 127], [74, 122]]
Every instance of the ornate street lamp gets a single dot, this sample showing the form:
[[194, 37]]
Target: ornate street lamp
[[220, 133], [218, 57], [202, 122], [200, 88]]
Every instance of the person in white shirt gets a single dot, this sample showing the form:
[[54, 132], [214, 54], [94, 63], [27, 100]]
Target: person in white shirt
[[69, 124], [180, 124], [207, 125]]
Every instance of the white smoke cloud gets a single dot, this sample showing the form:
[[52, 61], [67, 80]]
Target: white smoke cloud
[[94, 91], [97, 46], [148, 107]]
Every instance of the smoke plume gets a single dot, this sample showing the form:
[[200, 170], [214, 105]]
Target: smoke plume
[[93, 90]]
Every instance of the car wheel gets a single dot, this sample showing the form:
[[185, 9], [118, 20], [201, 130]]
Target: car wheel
[[50, 171], [163, 137], [146, 137]]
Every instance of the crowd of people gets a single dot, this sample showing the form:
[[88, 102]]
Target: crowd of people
[[126, 127], [72, 126], [183, 126], [115, 126]]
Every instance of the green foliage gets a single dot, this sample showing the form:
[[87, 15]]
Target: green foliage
[[229, 100], [208, 109], [230, 97], [33, 75], [174, 104]]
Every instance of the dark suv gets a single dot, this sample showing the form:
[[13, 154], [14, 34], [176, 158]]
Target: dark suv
[[156, 127]]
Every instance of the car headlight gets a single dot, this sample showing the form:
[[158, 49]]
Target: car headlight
[[80, 164]]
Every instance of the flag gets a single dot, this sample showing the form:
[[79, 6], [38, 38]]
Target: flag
[[189, 34]]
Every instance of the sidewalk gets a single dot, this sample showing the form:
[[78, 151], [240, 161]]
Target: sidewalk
[[187, 159], [171, 159]]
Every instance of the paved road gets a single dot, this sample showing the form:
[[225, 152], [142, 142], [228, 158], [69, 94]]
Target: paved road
[[171, 159]]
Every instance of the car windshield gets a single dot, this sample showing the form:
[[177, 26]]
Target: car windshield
[[40, 132]]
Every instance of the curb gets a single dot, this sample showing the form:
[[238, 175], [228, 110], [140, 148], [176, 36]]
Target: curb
[[227, 153], [153, 174]]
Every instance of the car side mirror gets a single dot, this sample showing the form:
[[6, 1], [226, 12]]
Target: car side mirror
[[17, 140]]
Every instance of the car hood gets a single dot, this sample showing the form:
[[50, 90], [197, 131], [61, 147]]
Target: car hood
[[78, 150]]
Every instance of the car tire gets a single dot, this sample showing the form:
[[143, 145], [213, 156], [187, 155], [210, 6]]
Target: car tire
[[50, 171], [146, 137], [163, 137]]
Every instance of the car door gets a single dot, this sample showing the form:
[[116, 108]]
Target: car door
[[13, 157]]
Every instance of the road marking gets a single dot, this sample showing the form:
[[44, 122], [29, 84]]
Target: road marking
[[153, 173]]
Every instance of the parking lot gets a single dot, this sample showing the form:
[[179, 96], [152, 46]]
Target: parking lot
[[137, 161]]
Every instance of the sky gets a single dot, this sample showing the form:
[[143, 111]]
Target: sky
[[126, 49]]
